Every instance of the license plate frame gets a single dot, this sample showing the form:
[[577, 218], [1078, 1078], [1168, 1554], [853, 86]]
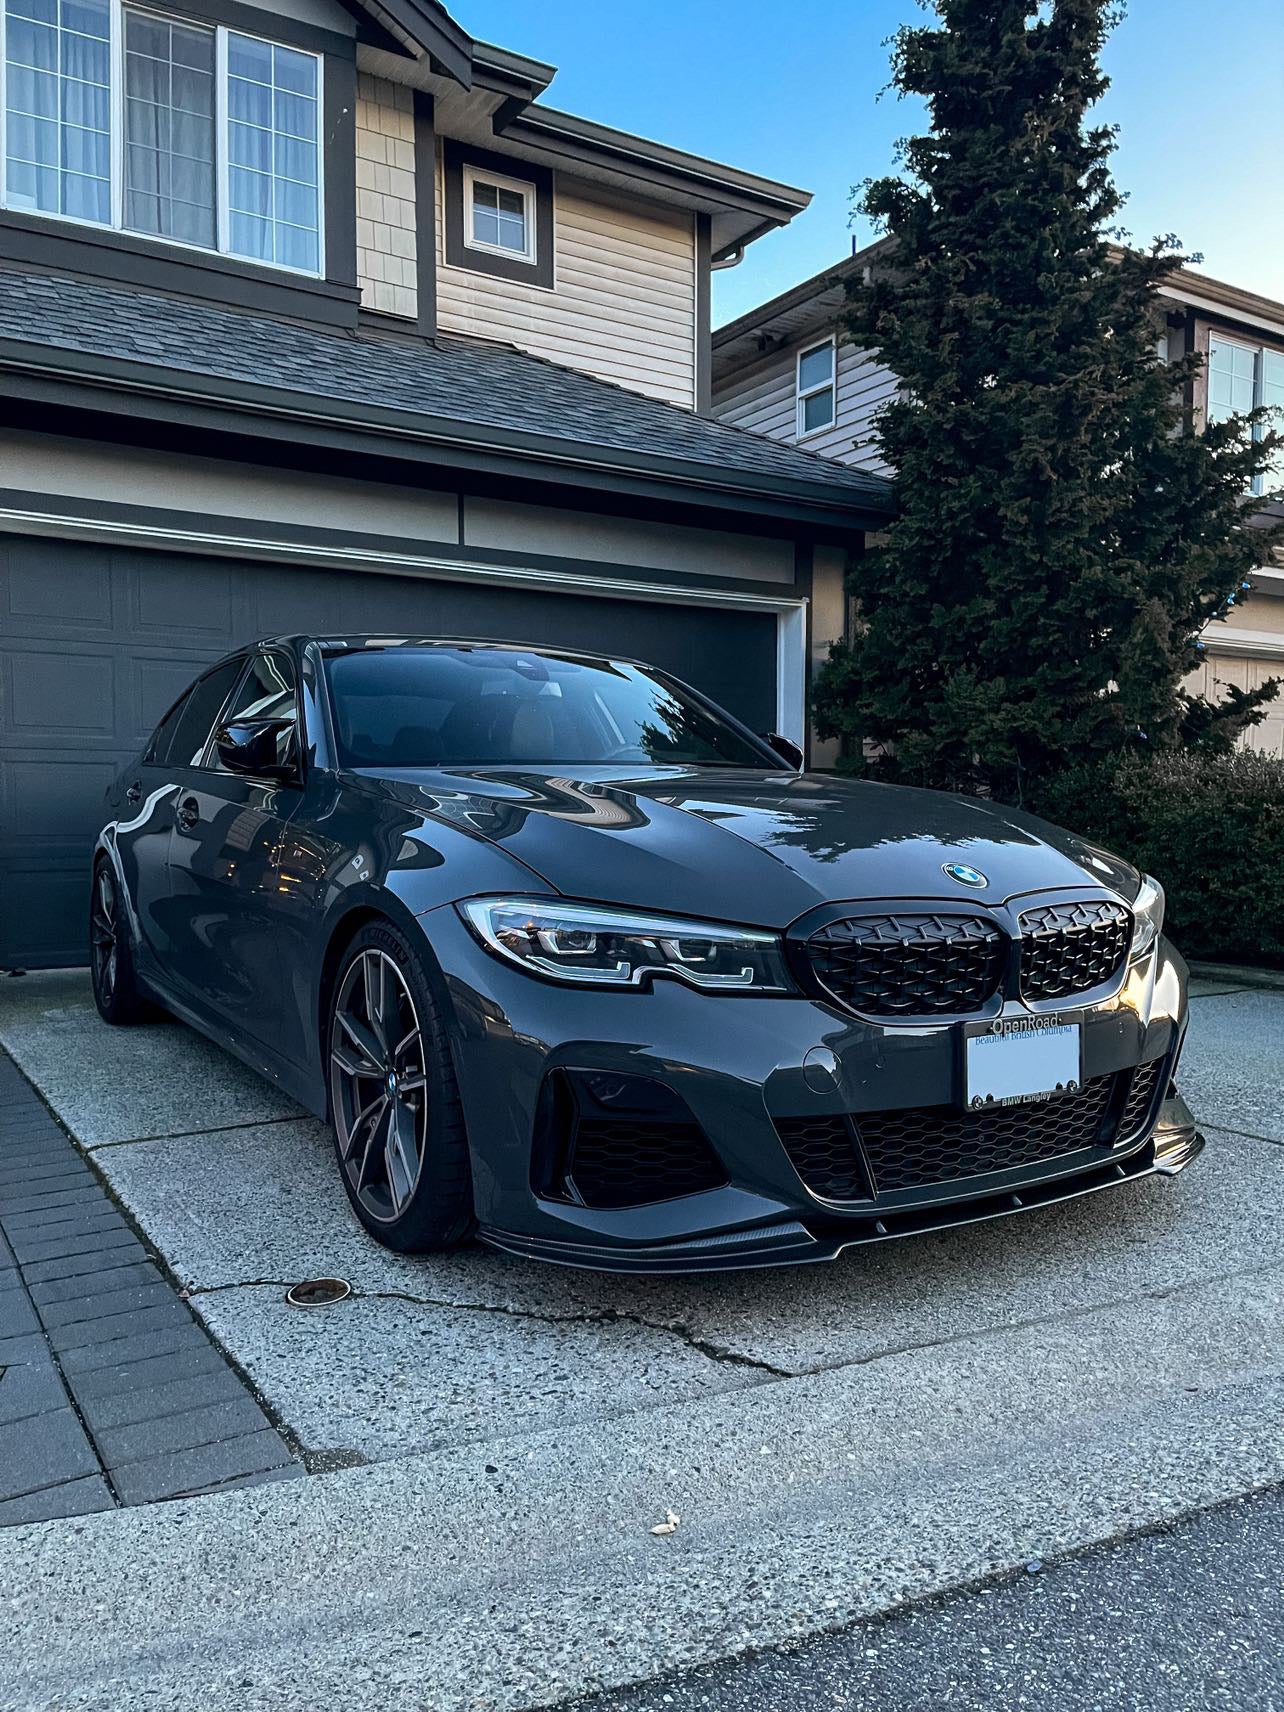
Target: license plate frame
[[1010, 1060]]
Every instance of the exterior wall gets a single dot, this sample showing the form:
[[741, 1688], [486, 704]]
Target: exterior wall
[[762, 397], [828, 619], [386, 244], [623, 304]]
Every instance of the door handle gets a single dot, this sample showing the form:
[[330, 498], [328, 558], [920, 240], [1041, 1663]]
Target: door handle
[[134, 792], [189, 812]]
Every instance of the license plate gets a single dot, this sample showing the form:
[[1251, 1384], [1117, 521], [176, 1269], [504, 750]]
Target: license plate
[[1016, 1059]]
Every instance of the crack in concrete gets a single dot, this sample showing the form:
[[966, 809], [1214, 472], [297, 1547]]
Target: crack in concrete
[[587, 1317], [723, 1353]]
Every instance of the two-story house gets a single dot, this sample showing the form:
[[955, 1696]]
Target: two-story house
[[787, 370], [314, 316]]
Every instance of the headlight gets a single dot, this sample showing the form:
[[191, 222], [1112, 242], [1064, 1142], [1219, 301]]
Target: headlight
[[594, 945], [1148, 916]]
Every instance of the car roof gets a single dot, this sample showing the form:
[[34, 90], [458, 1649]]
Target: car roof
[[378, 640]]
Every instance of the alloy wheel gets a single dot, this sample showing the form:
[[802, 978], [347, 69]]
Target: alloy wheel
[[379, 1085], [103, 934]]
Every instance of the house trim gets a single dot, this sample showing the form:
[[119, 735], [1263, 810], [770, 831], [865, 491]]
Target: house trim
[[1256, 644], [425, 213], [456, 158], [703, 316]]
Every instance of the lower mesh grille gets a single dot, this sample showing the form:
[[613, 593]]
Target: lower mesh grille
[[627, 1162], [1140, 1095], [848, 1158]]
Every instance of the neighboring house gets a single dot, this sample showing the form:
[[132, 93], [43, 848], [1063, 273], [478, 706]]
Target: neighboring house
[[787, 371], [314, 317]]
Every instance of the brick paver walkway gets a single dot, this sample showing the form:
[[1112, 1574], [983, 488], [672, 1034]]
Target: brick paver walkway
[[111, 1391]]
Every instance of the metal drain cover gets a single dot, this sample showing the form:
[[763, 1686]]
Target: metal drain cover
[[317, 1292]]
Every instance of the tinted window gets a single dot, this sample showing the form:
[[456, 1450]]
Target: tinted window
[[452, 707], [267, 691], [163, 736], [199, 713]]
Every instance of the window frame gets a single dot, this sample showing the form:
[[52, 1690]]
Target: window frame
[[1259, 351], [240, 661], [803, 394], [222, 166], [525, 188]]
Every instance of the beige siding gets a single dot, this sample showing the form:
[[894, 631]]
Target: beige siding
[[386, 196], [1220, 670], [762, 397], [623, 303]]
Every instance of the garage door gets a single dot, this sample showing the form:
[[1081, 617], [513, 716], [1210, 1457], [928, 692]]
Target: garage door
[[97, 641]]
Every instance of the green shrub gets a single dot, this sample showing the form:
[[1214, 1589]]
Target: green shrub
[[1210, 828]]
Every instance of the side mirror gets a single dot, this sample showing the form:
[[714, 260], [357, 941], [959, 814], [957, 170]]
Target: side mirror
[[786, 748], [257, 747]]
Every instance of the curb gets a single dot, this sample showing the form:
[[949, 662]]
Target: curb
[[1240, 975]]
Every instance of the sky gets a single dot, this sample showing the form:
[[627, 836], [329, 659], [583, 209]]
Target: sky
[[791, 91]]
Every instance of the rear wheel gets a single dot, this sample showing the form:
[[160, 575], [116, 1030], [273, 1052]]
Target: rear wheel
[[394, 1102], [111, 959]]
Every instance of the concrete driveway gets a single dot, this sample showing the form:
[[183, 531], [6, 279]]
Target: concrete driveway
[[492, 1442]]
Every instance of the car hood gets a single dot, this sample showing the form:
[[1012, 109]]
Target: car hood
[[745, 846]]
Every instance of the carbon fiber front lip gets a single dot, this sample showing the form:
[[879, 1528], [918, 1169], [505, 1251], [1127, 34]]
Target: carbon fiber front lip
[[1172, 1147]]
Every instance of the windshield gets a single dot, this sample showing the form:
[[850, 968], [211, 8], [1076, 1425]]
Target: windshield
[[408, 706]]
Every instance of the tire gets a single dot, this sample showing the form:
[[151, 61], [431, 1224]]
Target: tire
[[394, 1101], [119, 999]]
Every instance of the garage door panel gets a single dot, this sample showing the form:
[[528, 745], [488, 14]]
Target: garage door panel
[[166, 602], [98, 644], [39, 584], [50, 797], [47, 906], [61, 695]]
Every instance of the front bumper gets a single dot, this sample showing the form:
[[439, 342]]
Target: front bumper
[[741, 1066]]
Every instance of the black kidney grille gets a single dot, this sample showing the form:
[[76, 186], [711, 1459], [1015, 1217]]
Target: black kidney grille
[[909, 965], [628, 1162], [1072, 948], [924, 1145]]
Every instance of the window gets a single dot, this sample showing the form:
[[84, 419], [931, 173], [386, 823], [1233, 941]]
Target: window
[[158, 749], [203, 705], [1240, 378], [126, 118], [500, 214], [267, 691], [816, 388], [461, 706]]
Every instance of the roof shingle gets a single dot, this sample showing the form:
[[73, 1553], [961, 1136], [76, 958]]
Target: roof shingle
[[494, 390]]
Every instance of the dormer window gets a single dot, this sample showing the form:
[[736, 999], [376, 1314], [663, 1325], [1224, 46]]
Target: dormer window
[[501, 215], [123, 117], [498, 215], [815, 388]]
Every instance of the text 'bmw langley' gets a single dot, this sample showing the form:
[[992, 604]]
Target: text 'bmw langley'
[[571, 959]]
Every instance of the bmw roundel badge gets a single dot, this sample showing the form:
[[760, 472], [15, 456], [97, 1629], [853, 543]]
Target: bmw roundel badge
[[964, 875]]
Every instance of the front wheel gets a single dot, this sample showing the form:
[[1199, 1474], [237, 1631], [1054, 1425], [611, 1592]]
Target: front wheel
[[394, 1102], [111, 958]]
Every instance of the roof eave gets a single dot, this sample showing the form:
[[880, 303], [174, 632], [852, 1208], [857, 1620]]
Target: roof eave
[[118, 385]]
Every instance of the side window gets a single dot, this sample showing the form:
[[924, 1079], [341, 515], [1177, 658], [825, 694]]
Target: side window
[[267, 691], [815, 388], [157, 751], [201, 709]]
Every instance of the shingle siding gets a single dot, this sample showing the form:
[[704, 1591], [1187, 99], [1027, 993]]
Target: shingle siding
[[386, 236]]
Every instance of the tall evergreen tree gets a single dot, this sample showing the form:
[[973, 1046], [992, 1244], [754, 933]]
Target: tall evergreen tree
[[1063, 533]]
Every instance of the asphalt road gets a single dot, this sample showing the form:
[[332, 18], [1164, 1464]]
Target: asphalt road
[[1170, 1622]]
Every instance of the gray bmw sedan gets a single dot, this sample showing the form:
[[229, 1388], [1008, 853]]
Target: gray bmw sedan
[[573, 961]]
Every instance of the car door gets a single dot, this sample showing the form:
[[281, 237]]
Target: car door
[[144, 801], [224, 903]]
